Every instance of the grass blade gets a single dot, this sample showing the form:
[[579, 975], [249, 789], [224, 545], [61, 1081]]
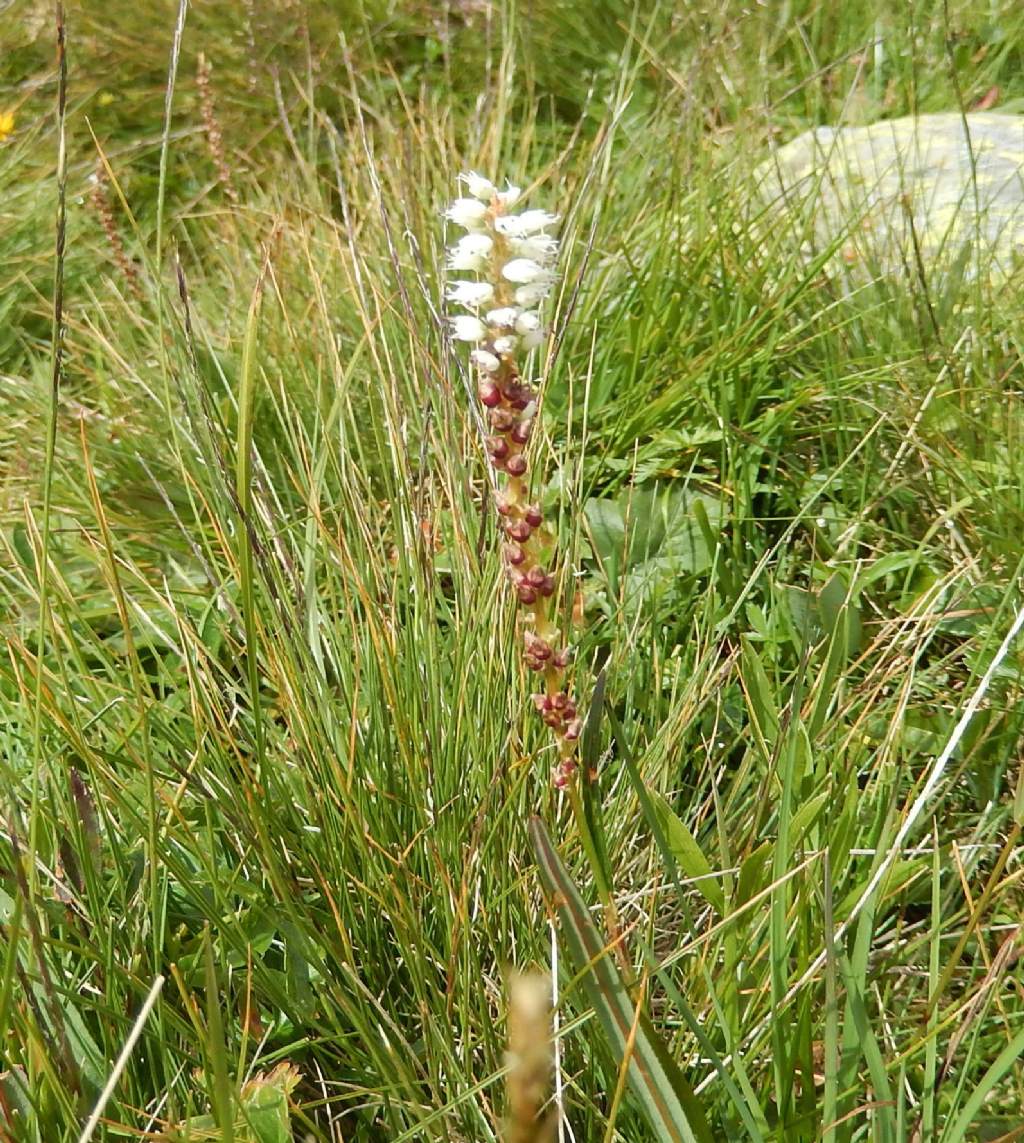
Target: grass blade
[[667, 1100]]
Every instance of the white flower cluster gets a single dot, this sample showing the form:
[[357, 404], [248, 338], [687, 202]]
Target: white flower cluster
[[512, 254]]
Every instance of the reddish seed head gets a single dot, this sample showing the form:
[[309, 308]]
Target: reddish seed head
[[514, 554], [502, 420], [533, 516], [497, 447], [572, 731], [562, 658], [489, 393], [516, 465], [503, 506], [559, 701], [521, 431], [547, 588], [519, 531], [536, 576]]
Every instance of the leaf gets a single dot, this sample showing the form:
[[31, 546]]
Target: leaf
[[687, 852], [653, 535], [760, 698], [666, 1099], [752, 879]]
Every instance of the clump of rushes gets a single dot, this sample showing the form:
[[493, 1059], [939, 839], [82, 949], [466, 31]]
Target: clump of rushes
[[510, 257]]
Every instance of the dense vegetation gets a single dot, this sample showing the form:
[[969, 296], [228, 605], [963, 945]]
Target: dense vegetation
[[264, 728]]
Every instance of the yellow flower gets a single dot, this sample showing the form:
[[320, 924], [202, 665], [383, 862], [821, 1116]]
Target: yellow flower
[[6, 124]]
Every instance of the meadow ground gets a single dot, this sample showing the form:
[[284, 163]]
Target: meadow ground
[[265, 732]]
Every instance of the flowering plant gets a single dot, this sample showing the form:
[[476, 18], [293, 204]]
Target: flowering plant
[[511, 257]]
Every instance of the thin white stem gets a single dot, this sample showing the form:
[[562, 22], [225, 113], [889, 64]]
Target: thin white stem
[[122, 1060]]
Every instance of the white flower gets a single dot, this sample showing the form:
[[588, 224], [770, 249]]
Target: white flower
[[467, 212], [470, 252], [505, 345], [478, 186], [527, 322], [505, 317], [525, 224], [468, 328], [532, 294], [471, 294], [539, 247], [510, 195], [524, 270], [485, 361], [534, 338]]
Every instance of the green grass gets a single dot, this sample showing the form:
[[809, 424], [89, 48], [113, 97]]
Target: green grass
[[278, 750]]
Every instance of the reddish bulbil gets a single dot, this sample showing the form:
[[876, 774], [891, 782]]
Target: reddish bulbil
[[489, 394], [526, 594], [536, 576]]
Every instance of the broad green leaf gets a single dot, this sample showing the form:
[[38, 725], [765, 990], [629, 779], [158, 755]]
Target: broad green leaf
[[687, 852]]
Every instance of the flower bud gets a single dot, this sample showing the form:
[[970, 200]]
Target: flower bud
[[572, 731], [478, 186], [469, 213], [519, 531], [559, 701], [533, 293], [510, 195], [541, 702], [524, 271], [540, 247], [536, 575], [497, 447], [514, 554], [502, 506], [503, 318], [533, 516], [470, 294], [521, 431], [470, 252], [489, 394], [502, 420], [561, 658], [525, 224], [485, 361], [547, 588], [516, 465], [465, 327]]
